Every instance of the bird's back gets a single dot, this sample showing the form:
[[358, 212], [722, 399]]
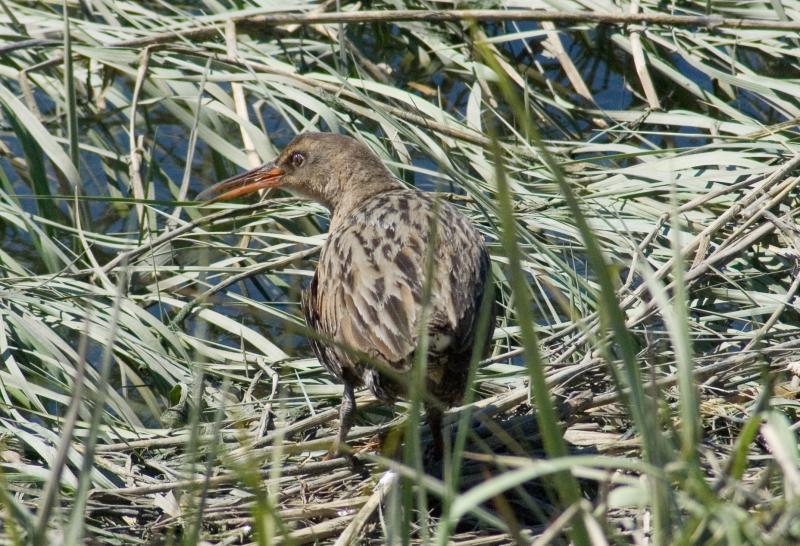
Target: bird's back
[[367, 292]]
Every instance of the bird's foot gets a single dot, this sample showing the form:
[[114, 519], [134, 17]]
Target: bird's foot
[[348, 454]]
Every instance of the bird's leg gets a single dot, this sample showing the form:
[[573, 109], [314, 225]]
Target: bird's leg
[[434, 415], [347, 413]]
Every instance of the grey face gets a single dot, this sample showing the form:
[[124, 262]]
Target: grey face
[[325, 167]]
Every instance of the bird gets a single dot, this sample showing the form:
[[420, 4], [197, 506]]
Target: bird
[[364, 304]]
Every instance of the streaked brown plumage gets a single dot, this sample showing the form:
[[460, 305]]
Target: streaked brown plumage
[[366, 294]]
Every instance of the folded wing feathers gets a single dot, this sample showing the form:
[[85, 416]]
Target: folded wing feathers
[[367, 291]]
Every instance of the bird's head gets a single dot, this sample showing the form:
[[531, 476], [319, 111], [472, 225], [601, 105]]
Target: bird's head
[[332, 169]]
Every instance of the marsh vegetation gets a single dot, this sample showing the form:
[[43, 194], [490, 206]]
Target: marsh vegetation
[[637, 187]]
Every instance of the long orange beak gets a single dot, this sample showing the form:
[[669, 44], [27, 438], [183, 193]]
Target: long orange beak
[[265, 176]]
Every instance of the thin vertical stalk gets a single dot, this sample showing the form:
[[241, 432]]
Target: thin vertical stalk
[[74, 532], [611, 315], [687, 401], [453, 471], [412, 447], [69, 88], [53, 485], [567, 489]]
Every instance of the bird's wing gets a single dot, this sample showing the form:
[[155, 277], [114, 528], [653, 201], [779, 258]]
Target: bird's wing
[[367, 291]]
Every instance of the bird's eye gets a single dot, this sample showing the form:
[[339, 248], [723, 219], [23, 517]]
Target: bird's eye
[[298, 159]]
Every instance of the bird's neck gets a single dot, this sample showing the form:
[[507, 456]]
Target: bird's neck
[[357, 193]]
